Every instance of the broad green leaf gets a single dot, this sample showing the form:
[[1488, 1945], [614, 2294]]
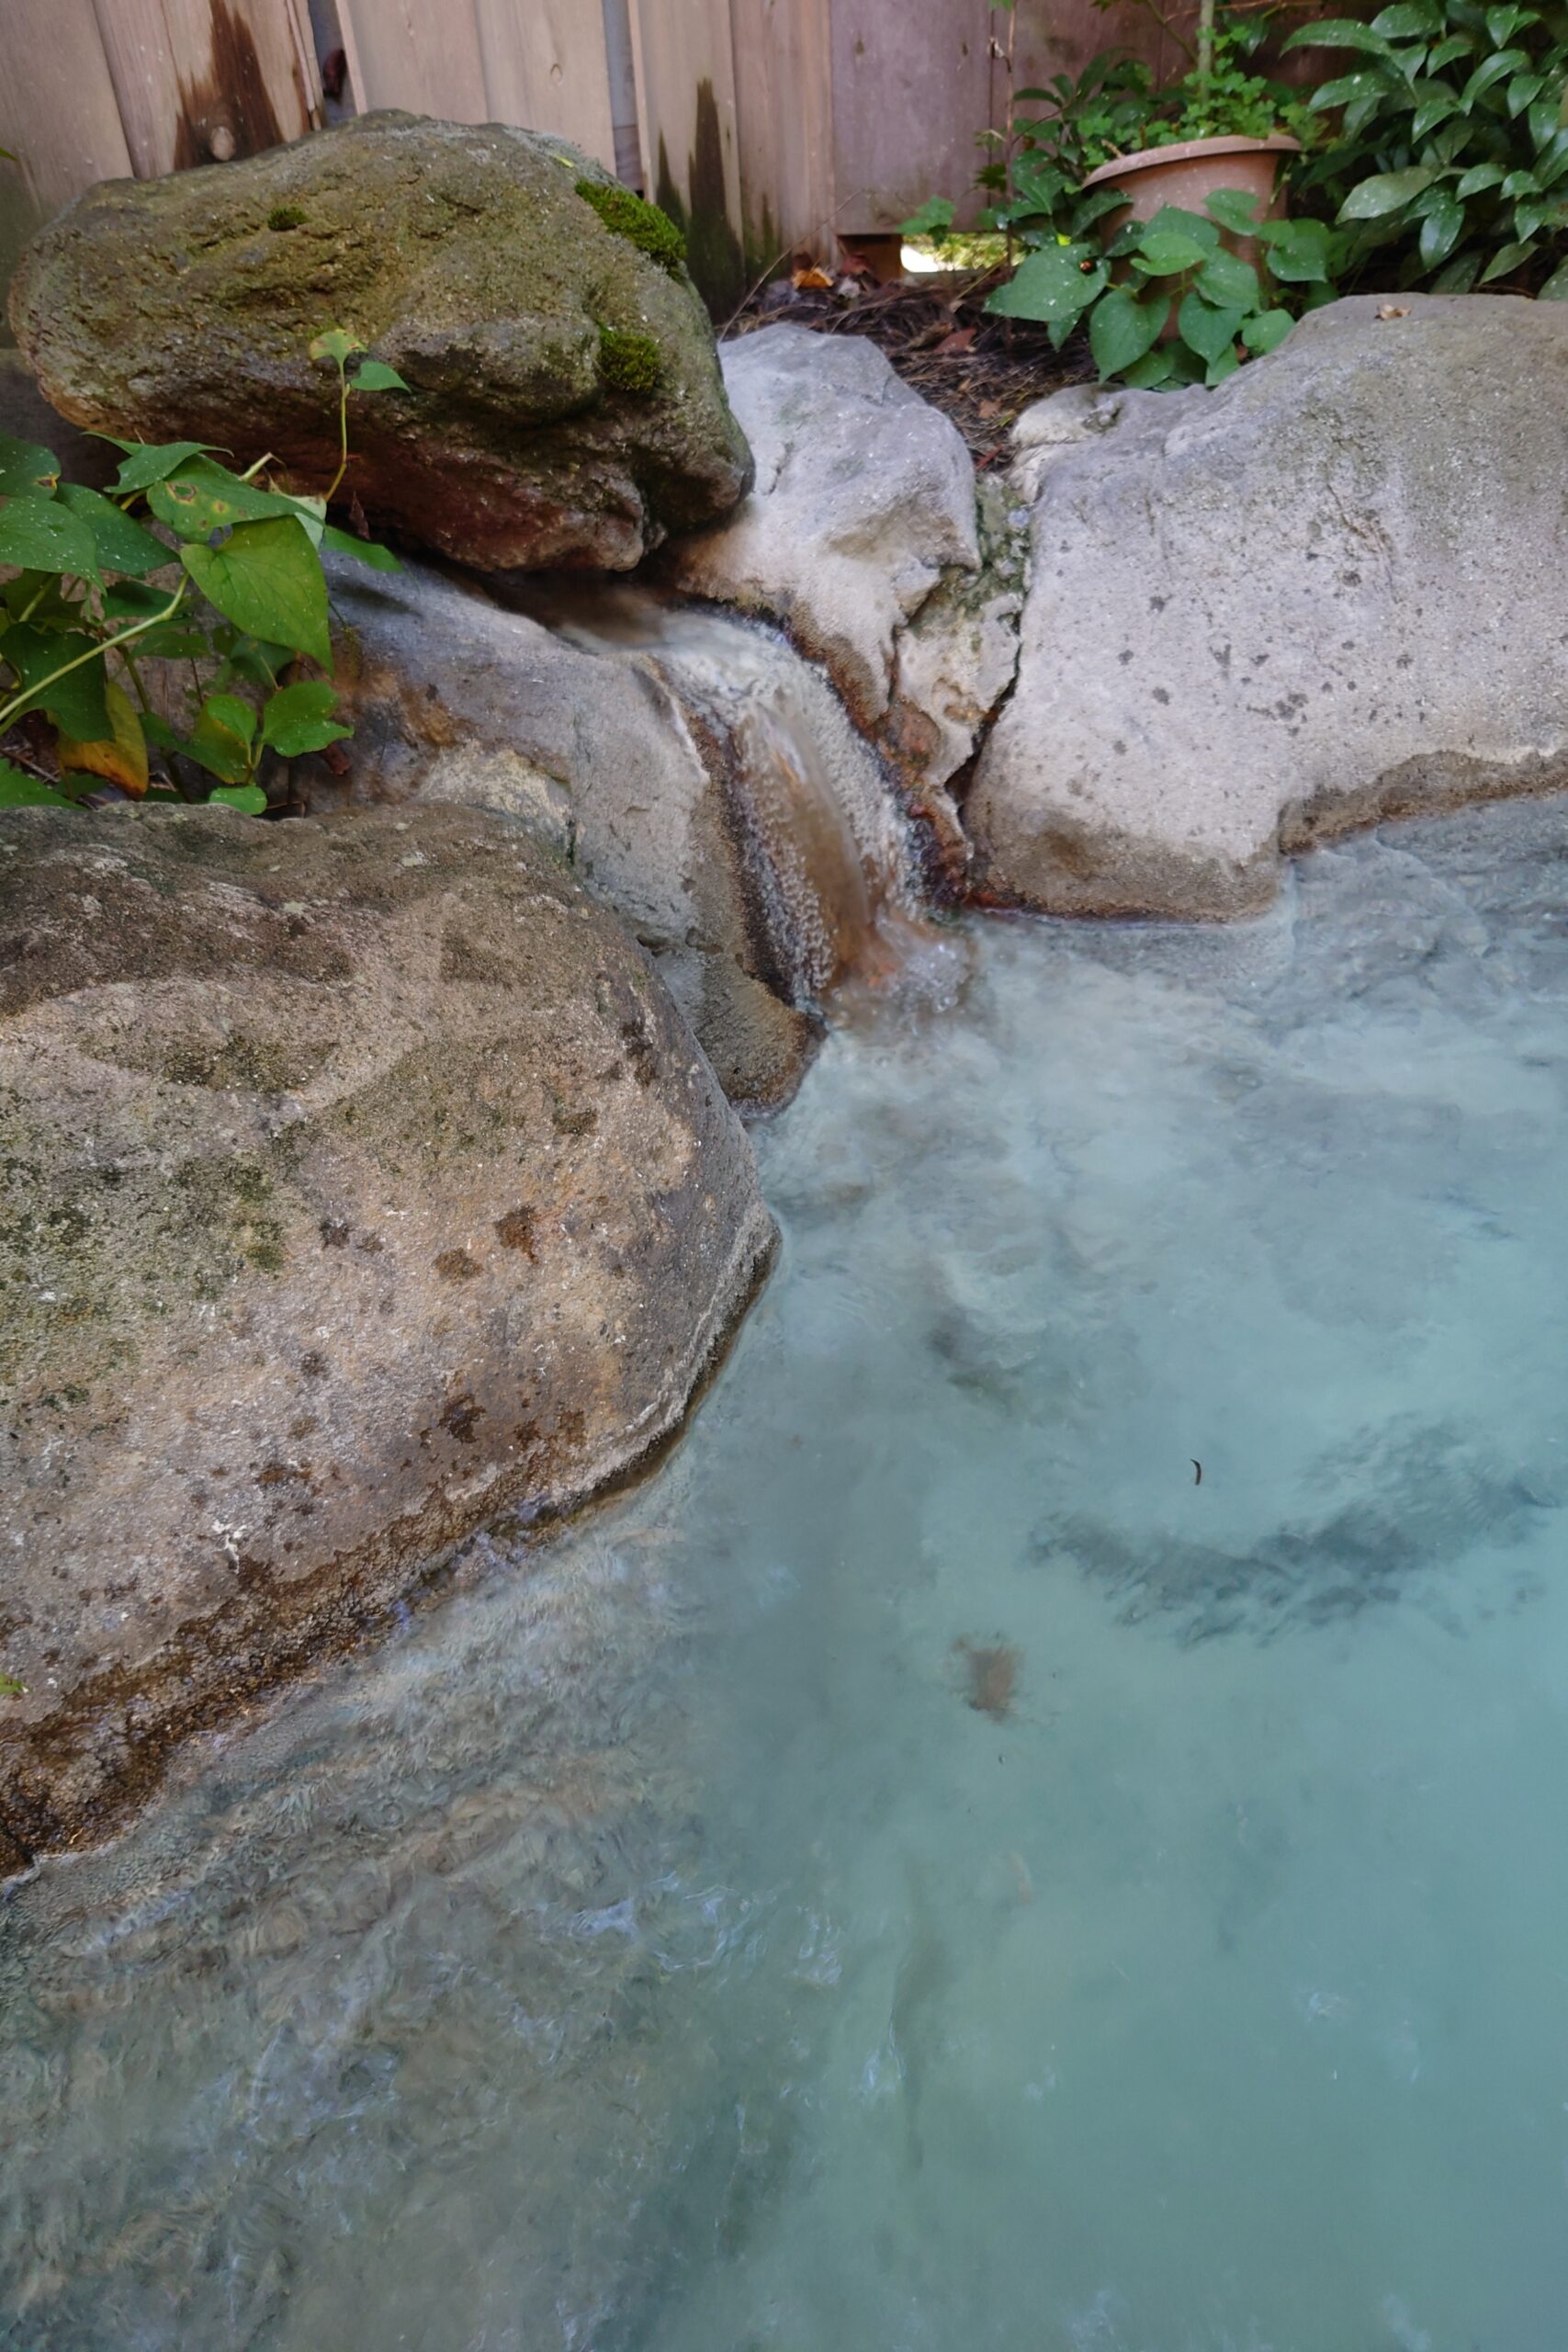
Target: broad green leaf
[[1338, 32], [1205, 330], [1482, 176], [1409, 20], [1156, 369], [299, 719], [119, 753], [1460, 274], [1049, 285], [151, 461], [136, 600], [234, 717], [75, 703], [1501, 24], [1535, 213], [268, 579], [222, 749], [1169, 253], [1122, 329], [1431, 112], [1496, 68], [1556, 287], [1522, 91], [375, 375], [122, 544], [1235, 208], [1510, 257], [379, 558], [1265, 332], [1350, 89], [199, 498], [27, 471], [1520, 184], [1441, 231], [248, 798], [1386, 192], [1299, 255], [336, 344], [1218, 369], [1229, 282], [1448, 51], [1171, 219], [19, 790], [40, 534]]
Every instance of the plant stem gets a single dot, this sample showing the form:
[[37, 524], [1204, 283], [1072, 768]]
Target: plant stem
[[343, 425], [13, 708], [1206, 40]]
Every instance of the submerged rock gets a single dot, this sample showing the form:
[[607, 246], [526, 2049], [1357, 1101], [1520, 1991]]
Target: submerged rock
[[700, 777], [862, 537], [361, 1180], [1329, 592], [566, 403]]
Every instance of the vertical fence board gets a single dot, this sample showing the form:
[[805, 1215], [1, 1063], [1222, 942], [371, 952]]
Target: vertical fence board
[[408, 53], [911, 94], [1061, 36], [784, 127], [546, 69], [203, 81], [58, 113], [685, 76]]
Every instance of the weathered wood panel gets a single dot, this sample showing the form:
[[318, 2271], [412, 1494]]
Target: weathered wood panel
[[203, 81], [408, 53], [685, 78], [58, 112], [911, 94], [545, 67], [785, 125]]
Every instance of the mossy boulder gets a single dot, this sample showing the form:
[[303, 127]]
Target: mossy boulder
[[566, 405], [359, 1178]]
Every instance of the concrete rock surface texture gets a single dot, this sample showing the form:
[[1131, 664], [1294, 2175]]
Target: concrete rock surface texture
[[362, 1179]]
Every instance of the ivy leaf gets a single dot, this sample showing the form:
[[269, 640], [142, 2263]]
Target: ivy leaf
[[248, 798], [199, 498], [336, 344], [1122, 329], [268, 579], [1218, 369], [1156, 369], [1050, 285], [1265, 332], [375, 375], [1169, 253], [1205, 330], [221, 740], [299, 719], [1229, 282], [75, 703], [27, 471], [151, 461], [1235, 208], [37, 535], [20, 790], [1299, 254], [122, 544], [119, 753], [368, 551], [1386, 192]]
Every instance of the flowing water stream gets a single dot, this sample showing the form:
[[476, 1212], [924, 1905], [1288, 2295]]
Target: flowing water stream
[[929, 1872]]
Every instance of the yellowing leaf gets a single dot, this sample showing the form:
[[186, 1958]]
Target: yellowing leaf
[[122, 756]]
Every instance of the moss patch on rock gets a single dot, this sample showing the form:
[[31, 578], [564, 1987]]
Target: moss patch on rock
[[626, 214], [629, 362]]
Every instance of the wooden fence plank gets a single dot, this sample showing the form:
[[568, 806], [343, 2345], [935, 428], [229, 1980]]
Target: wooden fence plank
[[409, 53], [546, 68], [685, 77], [785, 127], [911, 94], [203, 81], [58, 113]]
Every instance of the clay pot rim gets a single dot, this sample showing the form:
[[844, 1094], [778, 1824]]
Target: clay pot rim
[[1279, 142]]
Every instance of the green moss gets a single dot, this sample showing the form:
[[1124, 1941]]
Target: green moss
[[642, 224], [286, 216], [630, 362]]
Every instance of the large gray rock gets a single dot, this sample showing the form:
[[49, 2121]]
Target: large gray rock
[[699, 775], [863, 536], [566, 407], [1331, 591], [361, 1179]]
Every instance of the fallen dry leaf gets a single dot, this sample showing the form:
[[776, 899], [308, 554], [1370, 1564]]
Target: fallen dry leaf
[[959, 340], [811, 281], [1393, 310]]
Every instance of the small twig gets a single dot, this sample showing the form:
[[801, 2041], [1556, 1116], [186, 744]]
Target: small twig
[[758, 283]]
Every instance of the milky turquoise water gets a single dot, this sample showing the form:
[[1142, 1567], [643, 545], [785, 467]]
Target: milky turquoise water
[[652, 1948]]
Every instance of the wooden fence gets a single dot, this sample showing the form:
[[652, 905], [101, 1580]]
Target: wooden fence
[[766, 126]]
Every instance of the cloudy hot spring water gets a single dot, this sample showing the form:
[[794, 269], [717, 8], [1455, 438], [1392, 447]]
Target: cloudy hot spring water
[[926, 1871]]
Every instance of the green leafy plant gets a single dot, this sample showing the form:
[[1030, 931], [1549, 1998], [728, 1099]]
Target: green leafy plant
[[9, 1686], [232, 594], [1451, 167], [1167, 302]]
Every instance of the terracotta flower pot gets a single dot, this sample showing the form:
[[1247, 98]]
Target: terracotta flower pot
[[1189, 174]]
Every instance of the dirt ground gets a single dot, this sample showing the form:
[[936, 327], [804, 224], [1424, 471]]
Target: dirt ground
[[980, 370]]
